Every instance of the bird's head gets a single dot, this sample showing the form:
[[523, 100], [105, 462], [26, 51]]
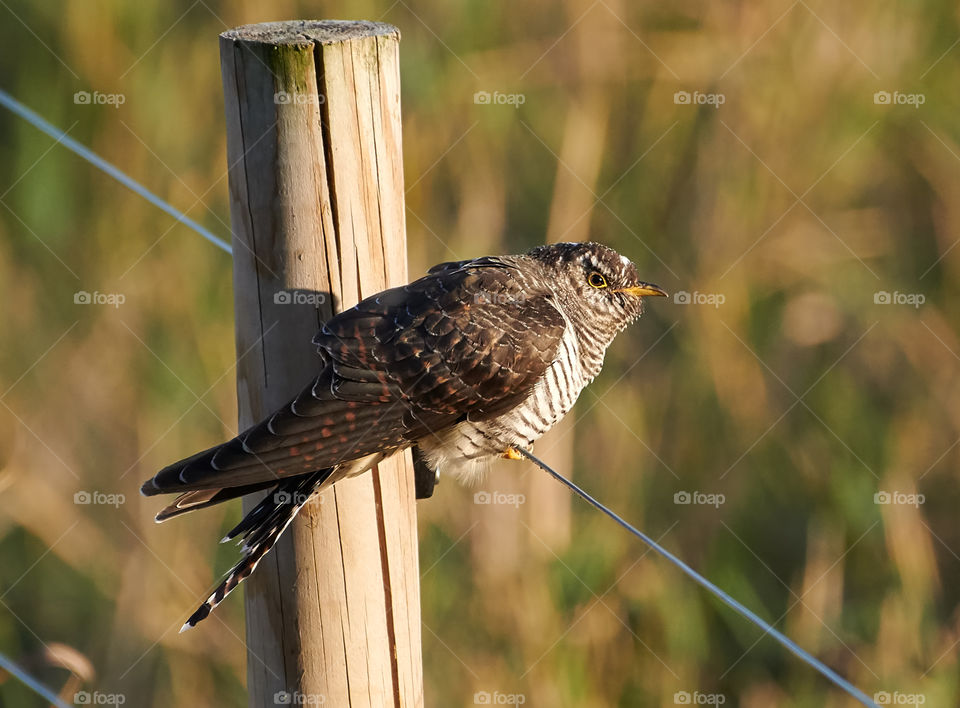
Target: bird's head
[[596, 281]]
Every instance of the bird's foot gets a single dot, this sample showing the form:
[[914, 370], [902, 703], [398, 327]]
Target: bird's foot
[[511, 454]]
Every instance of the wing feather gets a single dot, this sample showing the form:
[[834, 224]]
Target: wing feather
[[470, 338]]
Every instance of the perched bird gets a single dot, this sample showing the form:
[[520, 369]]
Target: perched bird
[[467, 363]]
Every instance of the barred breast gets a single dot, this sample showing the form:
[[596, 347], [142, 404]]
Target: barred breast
[[466, 449]]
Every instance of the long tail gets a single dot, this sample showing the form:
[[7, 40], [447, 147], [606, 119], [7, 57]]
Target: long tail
[[259, 531]]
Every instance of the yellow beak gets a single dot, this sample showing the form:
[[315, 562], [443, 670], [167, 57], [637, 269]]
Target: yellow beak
[[644, 289]]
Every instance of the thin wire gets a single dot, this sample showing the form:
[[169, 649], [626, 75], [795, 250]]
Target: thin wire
[[83, 151], [740, 608], [31, 682]]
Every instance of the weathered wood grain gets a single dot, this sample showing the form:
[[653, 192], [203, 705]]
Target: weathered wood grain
[[316, 193]]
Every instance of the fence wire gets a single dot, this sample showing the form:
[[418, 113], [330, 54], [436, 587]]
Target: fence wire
[[736, 605], [87, 154]]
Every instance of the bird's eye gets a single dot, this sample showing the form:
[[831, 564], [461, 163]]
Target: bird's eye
[[597, 280]]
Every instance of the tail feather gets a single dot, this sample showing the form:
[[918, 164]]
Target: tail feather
[[260, 530], [204, 498]]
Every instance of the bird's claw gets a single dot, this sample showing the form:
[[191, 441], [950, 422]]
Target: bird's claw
[[511, 454]]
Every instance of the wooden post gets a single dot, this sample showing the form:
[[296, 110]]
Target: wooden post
[[316, 200]]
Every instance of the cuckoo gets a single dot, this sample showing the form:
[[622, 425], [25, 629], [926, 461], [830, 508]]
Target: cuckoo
[[467, 364]]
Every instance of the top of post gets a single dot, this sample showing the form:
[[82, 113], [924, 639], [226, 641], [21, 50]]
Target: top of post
[[310, 31]]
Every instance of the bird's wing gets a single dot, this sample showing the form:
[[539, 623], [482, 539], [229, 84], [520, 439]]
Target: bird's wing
[[465, 340]]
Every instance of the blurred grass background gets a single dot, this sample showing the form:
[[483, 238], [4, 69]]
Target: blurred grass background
[[798, 399]]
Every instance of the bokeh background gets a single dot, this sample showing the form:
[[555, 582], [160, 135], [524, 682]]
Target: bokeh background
[[792, 167]]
